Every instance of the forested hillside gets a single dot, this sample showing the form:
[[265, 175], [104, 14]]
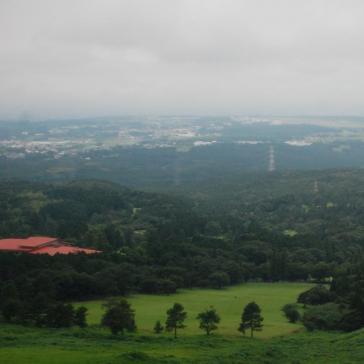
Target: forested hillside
[[268, 227], [319, 209], [94, 213]]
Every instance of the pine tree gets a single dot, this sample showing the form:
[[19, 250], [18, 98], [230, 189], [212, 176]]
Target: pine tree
[[251, 319], [175, 318]]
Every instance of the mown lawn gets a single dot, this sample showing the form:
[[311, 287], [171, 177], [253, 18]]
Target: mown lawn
[[229, 303]]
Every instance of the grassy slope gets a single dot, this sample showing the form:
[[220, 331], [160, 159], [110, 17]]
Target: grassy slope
[[19, 345], [229, 303]]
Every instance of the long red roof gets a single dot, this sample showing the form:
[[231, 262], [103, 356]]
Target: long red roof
[[42, 245], [64, 249], [25, 244]]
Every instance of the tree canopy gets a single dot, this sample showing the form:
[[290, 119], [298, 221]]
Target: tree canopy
[[176, 316], [208, 320], [251, 319], [119, 316]]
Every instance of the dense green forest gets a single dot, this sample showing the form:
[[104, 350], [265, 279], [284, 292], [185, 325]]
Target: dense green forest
[[294, 226], [283, 230]]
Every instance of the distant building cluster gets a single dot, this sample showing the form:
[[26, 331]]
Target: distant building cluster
[[42, 245]]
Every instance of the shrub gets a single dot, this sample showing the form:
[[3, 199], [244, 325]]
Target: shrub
[[119, 316], [158, 327], [328, 316], [291, 312], [80, 316], [317, 295], [60, 315]]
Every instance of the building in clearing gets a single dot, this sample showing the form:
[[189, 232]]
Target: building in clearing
[[42, 245]]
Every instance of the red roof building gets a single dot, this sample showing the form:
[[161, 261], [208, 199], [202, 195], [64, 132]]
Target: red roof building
[[42, 245]]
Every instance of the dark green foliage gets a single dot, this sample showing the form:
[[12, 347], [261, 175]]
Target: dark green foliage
[[219, 280], [317, 295], [8, 290], [37, 308], [158, 285], [348, 288], [60, 315], [213, 228], [351, 320], [12, 309], [291, 312], [158, 327], [80, 316], [155, 243], [119, 316], [175, 318], [341, 307], [265, 227], [208, 320], [251, 319], [40, 310], [323, 317], [321, 271]]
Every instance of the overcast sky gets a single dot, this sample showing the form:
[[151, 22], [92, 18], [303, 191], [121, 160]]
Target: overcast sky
[[73, 58]]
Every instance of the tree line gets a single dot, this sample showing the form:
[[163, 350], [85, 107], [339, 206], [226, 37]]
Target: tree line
[[119, 316]]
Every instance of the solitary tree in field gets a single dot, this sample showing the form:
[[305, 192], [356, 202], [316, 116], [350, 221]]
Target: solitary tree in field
[[158, 327], [251, 319], [119, 317], [175, 318], [208, 320]]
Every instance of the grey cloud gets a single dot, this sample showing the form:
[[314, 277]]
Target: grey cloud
[[76, 58]]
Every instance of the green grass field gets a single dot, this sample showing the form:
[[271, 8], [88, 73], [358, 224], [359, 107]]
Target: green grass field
[[229, 303], [95, 345], [19, 345]]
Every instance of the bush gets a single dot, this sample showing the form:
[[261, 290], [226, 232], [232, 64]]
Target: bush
[[317, 295], [291, 312], [351, 321], [119, 316], [158, 327], [60, 315], [328, 316], [80, 316]]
